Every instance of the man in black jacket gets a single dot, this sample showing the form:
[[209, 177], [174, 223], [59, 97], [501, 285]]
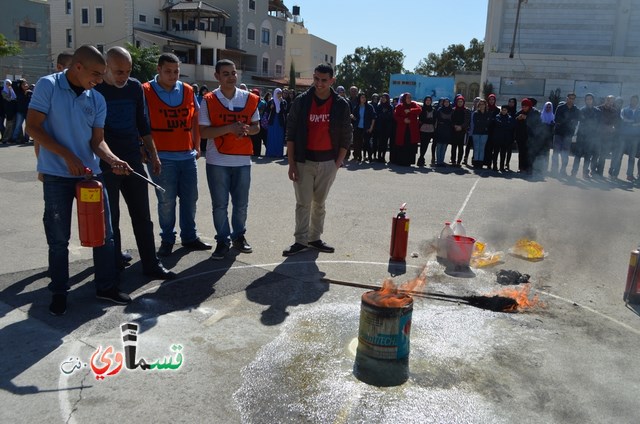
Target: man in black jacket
[[318, 135]]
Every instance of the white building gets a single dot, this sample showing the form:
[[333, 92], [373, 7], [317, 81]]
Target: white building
[[306, 50], [534, 47]]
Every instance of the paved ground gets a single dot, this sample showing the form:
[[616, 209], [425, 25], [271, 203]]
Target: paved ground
[[264, 339]]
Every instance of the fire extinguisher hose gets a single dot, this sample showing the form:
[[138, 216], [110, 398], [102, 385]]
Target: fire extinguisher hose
[[148, 180]]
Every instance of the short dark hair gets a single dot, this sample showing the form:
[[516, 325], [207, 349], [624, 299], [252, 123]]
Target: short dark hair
[[223, 62], [324, 68], [87, 54], [168, 58], [64, 59]]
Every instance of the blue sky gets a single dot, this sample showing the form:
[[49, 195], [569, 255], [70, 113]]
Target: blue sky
[[417, 27]]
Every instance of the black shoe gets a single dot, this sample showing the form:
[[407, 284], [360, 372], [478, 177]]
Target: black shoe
[[242, 245], [321, 246], [293, 249], [165, 249], [114, 295], [160, 273], [58, 304], [221, 250], [197, 244], [126, 256]]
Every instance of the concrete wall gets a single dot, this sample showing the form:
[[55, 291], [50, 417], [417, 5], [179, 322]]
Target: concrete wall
[[587, 45], [34, 60]]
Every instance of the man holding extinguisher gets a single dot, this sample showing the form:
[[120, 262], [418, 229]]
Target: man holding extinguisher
[[66, 116], [124, 124]]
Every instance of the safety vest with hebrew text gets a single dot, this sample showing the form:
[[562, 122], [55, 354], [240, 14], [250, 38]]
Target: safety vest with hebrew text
[[219, 115], [171, 125]]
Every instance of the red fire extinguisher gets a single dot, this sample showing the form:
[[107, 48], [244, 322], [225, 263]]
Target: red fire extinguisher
[[631, 293], [90, 203], [399, 235]]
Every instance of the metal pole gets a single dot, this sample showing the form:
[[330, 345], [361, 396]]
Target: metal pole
[[515, 29]]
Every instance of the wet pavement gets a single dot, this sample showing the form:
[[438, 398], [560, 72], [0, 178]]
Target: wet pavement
[[260, 338]]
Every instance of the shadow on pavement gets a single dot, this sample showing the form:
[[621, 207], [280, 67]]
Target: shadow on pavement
[[278, 290]]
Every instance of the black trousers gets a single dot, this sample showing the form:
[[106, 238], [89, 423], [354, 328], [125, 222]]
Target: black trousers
[[457, 147], [135, 192]]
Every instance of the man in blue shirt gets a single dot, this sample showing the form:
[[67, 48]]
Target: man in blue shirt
[[66, 116], [172, 110], [124, 125]]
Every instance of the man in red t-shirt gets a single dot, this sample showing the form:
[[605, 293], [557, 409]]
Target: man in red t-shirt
[[318, 136]]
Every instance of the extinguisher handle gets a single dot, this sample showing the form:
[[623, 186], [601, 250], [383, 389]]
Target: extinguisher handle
[[88, 170]]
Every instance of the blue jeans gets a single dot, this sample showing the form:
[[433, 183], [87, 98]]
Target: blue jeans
[[225, 182], [17, 129], [479, 143], [441, 150], [59, 193], [180, 179]]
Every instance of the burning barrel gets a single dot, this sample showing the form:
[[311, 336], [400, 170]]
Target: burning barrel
[[382, 357]]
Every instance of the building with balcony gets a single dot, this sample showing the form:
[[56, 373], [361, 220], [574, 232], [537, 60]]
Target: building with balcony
[[27, 23], [581, 46], [250, 33]]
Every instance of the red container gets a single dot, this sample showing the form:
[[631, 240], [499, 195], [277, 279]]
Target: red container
[[459, 249], [632, 289]]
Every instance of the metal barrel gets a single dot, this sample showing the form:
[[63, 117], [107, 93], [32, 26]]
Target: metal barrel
[[382, 357]]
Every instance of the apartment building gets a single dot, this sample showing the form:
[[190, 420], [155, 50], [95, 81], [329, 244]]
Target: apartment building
[[581, 46]]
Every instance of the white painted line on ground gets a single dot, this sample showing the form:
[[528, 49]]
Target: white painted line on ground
[[464, 204]]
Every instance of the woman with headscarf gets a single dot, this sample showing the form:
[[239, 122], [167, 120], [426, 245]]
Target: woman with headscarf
[[513, 109], [461, 120], [276, 108], [407, 137], [444, 130], [384, 126], [545, 139], [9, 101], [427, 130]]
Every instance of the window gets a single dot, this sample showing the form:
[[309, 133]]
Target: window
[[27, 34], [331, 59], [228, 31], [279, 40], [99, 17], [265, 65], [68, 7], [251, 34], [142, 18], [266, 36], [279, 70], [69, 39], [252, 4], [156, 21], [100, 48], [174, 25], [84, 16], [326, 58]]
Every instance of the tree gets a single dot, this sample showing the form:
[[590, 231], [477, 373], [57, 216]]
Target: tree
[[8, 48], [454, 58], [292, 76], [369, 69], [145, 61]]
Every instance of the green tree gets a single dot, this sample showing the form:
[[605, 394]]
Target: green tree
[[145, 61], [369, 69], [292, 76], [454, 58], [8, 48]]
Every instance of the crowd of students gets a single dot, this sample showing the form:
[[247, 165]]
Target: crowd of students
[[16, 96], [544, 138]]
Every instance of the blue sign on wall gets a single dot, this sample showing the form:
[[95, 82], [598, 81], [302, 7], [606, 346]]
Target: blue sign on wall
[[420, 86]]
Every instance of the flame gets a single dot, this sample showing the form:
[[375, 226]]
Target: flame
[[393, 296], [521, 296]]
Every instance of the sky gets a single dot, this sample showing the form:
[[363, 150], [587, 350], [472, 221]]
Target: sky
[[417, 27]]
